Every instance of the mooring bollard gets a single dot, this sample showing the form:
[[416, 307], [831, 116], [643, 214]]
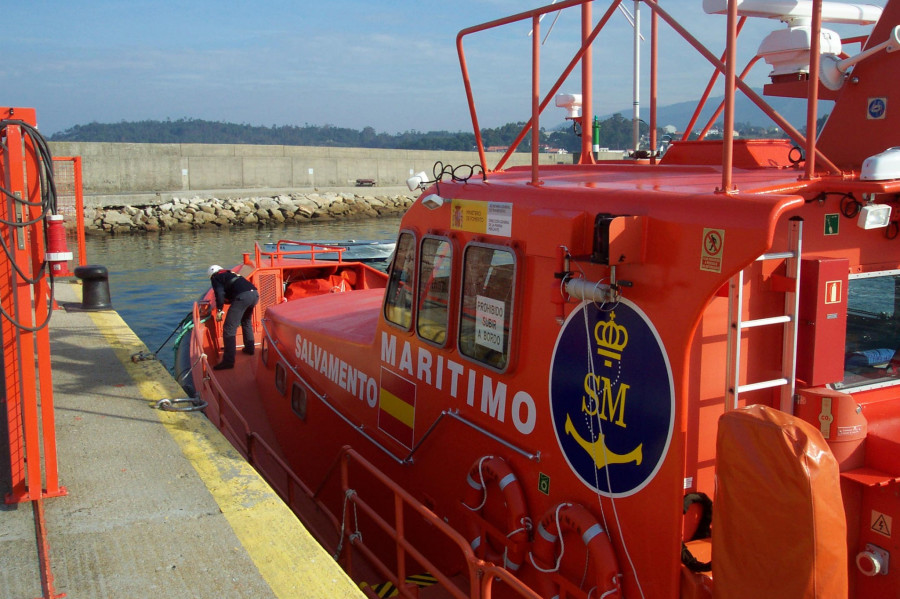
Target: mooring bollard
[[95, 293]]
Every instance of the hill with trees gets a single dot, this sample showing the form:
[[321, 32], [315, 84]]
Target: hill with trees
[[615, 132]]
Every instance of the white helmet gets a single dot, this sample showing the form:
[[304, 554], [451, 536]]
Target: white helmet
[[213, 270]]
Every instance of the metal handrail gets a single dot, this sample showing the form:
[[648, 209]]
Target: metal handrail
[[311, 252], [479, 570], [727, 67]]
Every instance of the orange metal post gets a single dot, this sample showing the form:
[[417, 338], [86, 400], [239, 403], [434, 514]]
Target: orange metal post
[[79, 211], [813, 93], [26, 340], [654, 67], [730, 70], [535, 97], [26, 479], [587, 86], [11, 374]]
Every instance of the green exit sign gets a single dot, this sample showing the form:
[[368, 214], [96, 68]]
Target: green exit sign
[[831, 223]]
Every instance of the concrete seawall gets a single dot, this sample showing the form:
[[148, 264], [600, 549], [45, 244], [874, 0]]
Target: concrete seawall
[[129, 174]]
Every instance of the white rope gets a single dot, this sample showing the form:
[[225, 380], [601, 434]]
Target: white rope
[[612, 498], [356, 535], [562, 544], [483, 486]]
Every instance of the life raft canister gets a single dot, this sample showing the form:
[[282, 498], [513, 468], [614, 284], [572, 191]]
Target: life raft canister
[[490, 471], [566, 520]]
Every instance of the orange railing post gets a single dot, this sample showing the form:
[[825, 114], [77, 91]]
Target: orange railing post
[[70, 199], [26, 312]]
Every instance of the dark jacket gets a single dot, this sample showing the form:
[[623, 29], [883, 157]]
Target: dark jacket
[[227, 286]]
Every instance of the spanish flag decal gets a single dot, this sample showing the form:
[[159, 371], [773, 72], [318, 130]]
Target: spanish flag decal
[[397, 407]]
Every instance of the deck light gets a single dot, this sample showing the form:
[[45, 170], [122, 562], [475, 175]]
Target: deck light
[[432, 201], [874, 216]]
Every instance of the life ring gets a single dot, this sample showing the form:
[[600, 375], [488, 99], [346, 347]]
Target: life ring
[[494, 470], [573, 519]]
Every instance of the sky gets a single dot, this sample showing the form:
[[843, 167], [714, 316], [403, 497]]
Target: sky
[[390, 65]]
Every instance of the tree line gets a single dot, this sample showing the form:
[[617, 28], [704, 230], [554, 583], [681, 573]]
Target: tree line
[[615, 132]]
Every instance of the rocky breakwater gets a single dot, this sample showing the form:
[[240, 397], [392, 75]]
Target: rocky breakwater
[[196, 212]]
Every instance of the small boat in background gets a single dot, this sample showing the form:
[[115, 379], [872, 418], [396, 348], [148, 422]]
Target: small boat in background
[[351, 250]]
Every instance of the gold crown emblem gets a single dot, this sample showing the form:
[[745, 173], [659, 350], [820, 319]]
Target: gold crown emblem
[[611, 338]]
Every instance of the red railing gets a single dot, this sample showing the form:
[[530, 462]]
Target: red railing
[[70, 201], [311, 251], [725, 65]]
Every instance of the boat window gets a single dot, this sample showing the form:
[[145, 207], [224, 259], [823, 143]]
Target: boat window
[[873, 331], [484, 327], [298, 400], [280, 378], [434, 290], [399, 298]]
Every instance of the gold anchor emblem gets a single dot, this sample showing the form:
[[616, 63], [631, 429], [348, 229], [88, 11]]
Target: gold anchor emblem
[[598, 451]]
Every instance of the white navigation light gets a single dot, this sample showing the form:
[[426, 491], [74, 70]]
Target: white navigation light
[[572, 104], [874, 216], [417, 181]]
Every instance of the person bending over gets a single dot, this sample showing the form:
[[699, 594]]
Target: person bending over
[[232, 288]]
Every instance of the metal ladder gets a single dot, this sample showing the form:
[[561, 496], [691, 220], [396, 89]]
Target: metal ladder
[[737, 325]]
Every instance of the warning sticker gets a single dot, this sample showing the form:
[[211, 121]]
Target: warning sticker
[[712, 249], [881, 523], [491, 218], [489, 319], [833, 293]]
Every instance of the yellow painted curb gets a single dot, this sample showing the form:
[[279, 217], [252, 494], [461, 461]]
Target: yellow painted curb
[[296, 565]]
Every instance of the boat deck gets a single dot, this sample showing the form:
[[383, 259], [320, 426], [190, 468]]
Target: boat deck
[[159, 504]]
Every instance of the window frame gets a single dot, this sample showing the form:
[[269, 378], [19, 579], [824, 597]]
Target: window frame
[[413, 286], [450, 329], [280, 378], [512, 304], [882, 384], [298, 386]]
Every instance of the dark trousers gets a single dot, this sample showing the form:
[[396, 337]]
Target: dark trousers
[[241, 312]]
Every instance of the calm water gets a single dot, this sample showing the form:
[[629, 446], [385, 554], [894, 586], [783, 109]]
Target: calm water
[[154, 279]]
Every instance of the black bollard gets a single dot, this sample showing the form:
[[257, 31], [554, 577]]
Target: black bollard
[[95, 293]]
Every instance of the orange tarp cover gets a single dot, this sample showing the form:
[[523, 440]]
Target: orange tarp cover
[[778, 526]]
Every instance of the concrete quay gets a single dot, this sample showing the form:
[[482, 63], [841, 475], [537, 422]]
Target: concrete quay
[[120, 170], [159, 504]]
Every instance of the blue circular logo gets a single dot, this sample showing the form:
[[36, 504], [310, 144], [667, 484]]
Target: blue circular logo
[[612, 398], [877, 107]]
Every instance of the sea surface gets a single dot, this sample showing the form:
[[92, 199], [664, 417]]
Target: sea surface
[[154, 279]]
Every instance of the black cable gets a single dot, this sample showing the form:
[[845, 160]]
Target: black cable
[[850, 206], [44, 160], [461, 173]]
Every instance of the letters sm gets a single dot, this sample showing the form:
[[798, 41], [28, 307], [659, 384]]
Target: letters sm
[[612, 397]]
